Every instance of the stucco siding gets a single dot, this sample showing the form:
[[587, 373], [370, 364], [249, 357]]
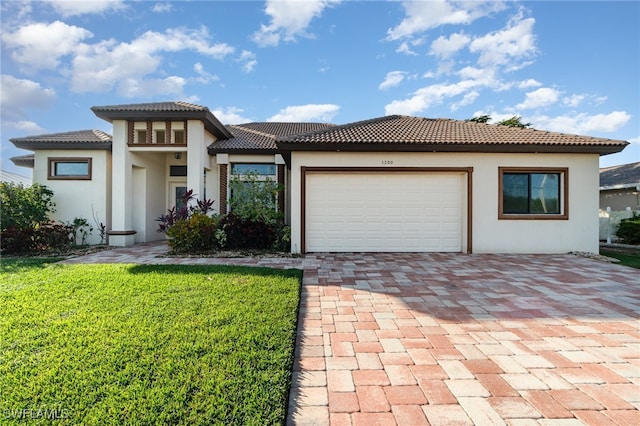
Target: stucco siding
[[489, 234], [85, 199]]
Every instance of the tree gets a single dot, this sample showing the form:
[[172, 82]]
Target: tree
[[24, 208], [515, 121]]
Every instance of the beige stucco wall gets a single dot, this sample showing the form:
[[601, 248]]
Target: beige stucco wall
[[489, 235], [87, 199]]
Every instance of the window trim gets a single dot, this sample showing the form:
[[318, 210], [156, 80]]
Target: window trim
[[564, 194], [51, 168], [259, 175]]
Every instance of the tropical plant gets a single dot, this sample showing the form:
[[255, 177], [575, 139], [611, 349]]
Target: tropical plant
[[187, 208]]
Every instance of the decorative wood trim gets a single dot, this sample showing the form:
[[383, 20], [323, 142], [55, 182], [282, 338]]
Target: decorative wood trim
[[149, 135], [564, 173], [130, 132], [303, 189], [168, 136], [281, 194], [223, 188]]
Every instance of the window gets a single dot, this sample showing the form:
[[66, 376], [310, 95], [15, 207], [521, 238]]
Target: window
[[177, 170], [160, 136], [141, 136], [533, 193], [178, 137], [258, 169], [69, 168]]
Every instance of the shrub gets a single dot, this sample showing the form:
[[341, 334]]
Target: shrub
[[255, 199], [246, 233], [629, 230], [184, 212], [17, 240], [54, 236], [193, 235], [24, 207]]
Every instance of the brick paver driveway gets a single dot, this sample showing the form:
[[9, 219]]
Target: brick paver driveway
[[443, 339], [438, 339]]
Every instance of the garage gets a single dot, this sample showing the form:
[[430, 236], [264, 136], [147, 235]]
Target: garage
[[385, 211]]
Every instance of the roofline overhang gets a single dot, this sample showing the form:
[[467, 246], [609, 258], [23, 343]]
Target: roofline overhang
[[239, 151], [635, 186], [429, 147], [34, 146], [27, 161], [211, 123]]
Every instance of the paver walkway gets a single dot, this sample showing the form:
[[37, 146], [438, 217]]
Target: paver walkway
[[443, 339]]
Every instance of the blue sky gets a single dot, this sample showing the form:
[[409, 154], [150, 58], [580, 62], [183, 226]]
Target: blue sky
[[568, 66]]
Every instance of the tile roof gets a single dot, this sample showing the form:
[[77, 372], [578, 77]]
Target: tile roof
[[152, 107], [621, 176], [261, 137], [84, 139], [396, 132], [24, 160], [163, 111]]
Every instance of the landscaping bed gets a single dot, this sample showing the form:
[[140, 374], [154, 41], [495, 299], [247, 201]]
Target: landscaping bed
[[146, 344]]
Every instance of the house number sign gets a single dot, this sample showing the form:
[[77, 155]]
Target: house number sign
[[387, 162]]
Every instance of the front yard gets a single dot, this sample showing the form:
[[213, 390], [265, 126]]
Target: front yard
[[126, 344]]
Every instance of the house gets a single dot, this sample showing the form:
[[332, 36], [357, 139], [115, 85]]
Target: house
[[393, 183], [14, 178], [620, 187]]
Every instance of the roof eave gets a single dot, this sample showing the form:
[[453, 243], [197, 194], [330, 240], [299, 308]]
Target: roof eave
[[248, 151], [211, 123], [27, 161], [435, 147], [35, 145]]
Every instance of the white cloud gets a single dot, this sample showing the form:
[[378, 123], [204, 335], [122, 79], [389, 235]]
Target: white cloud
[[427, 96], [527, 84], [582, 123], [425, 15], [230, 115], [539, 98], [392, 79], [467, 99], [146, 88], [310, 112], [42, 45], [203, 76], [18, 95], [162, 7], [102, 66], [446, 47], [404, 48], [634, 140], [80, 7], [289, 19], [248, 60], [509, 46], [573, 100], [23, 126]]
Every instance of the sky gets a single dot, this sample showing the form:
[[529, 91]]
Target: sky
[[565, 66]]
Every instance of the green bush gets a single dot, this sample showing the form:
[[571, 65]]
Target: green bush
[[24, 207], [246, 233], [194, 235], [254, 199], [629, 230]]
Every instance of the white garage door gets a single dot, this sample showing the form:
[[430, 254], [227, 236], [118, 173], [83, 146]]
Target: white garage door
[[378, 212]]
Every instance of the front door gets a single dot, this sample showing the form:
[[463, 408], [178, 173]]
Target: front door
[[176, 192]]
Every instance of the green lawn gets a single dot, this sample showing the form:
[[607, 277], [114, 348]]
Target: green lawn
[[126, 344], [628, 259]]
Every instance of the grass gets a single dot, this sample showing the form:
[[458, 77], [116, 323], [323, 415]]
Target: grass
[[125, 344], [626, 258]]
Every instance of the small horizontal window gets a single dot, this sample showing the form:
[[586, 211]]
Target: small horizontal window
[[259, 169], [177, 170], [69, 168], [178, 137], [533, 194]]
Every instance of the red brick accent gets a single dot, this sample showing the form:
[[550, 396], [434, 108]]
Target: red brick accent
[[149, 138], [167, 132], [223, 186]]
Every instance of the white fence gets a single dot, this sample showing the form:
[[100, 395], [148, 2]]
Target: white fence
[[610, 221]]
